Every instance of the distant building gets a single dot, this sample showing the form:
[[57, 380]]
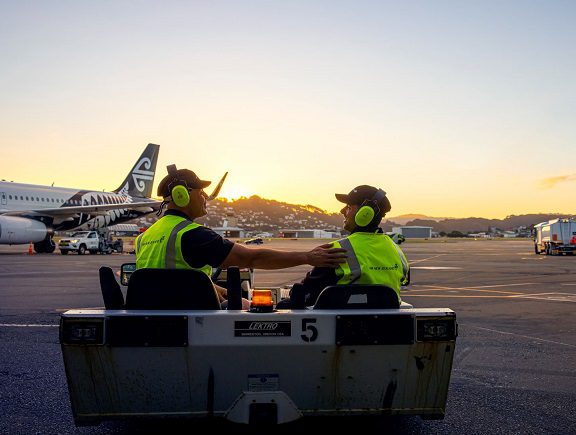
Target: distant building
[[414, 232], [232, 231], [308, 234]]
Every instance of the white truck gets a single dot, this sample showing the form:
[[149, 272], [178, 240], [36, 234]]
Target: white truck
[[554, 237], [92, 241]]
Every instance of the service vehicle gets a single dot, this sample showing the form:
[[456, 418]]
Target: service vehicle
[[554, 237], [396, 237], [158, 352], [254, 241], [92, 241]]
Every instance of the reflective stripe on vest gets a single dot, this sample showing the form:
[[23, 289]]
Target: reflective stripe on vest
[[160, 245], [354, 270], [405, 265]]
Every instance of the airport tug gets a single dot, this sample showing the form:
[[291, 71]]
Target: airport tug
[[160, 353]]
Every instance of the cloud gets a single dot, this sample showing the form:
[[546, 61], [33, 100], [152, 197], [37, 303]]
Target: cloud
[[550, 182]]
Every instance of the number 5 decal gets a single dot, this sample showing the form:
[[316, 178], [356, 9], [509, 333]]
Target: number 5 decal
[[310, 331]]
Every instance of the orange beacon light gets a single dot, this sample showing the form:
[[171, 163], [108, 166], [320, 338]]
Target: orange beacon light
[[262, 301]]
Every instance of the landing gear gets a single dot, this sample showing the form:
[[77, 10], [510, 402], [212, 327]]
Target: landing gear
[[45, 246]]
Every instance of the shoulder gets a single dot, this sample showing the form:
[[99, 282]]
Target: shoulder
[[202, 234], [202, 245]]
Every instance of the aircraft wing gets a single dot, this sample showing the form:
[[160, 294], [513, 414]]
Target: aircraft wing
[[101, 209]]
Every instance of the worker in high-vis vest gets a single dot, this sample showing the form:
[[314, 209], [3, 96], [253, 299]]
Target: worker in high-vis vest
[[372, 256], [175, 241]]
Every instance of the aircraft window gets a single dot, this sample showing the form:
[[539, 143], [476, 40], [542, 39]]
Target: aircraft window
[[10, 196], [21, 198], [26, 198], [37, 199]]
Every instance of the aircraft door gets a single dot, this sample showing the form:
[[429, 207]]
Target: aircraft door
[[3, 198]]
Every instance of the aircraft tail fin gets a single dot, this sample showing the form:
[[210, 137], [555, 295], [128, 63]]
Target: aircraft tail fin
[[138, 182], [216, 191]]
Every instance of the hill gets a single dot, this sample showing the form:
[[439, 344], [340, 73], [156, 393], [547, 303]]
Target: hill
[[256, 214], [405, 218]]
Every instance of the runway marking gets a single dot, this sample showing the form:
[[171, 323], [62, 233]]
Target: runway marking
[[24, 325], [426, 259], [434, 267], [43, 272], [553, 296], [482, 288], [562, 297], [523, 336]]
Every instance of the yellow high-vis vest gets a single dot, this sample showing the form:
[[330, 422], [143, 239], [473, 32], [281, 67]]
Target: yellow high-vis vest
[[160, 246], [372, 258]]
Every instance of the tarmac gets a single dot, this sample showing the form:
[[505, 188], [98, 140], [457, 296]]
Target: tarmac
[[514, 367]]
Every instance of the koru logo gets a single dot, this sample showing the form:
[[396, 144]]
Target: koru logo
[[141, 173]]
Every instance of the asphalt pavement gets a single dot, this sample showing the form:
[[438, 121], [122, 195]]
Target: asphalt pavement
[[514, 369]]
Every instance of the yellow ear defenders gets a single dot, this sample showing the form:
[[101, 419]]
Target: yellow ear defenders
[[369, 209], [178, 188]]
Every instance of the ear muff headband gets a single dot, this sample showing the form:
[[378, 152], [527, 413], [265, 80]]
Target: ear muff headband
[[369, 209], [178, 188]]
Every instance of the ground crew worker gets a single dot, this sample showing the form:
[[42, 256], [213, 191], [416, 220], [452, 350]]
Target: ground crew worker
[[372, 256], [175, 241]]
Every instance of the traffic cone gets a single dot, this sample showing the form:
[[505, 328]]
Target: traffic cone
[[30, 249]]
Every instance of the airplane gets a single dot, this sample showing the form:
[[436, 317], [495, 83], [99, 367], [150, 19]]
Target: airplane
[[32, 213]]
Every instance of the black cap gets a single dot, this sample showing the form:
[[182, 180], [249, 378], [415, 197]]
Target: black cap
[[182, 175], [359, 194]]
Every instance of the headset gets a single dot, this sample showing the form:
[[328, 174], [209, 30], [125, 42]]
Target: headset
[[368, 209], [178, 188]]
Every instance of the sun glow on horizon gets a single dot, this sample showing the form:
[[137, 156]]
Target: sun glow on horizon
[[235, 192]]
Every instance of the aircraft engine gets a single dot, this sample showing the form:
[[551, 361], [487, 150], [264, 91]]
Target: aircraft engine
[[17, 230]]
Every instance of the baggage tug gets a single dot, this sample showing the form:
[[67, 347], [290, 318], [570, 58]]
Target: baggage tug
[[259, 366]]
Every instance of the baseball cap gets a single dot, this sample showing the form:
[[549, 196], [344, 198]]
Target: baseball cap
[[364, 193], [187, 176]]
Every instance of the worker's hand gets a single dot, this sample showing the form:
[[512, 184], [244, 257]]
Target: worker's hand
[[245, 304], [222, 292], [326, 256]]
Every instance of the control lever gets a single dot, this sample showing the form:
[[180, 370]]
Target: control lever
[[233, 285]]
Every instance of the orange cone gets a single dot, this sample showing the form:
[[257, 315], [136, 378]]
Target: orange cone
[[30, 249]]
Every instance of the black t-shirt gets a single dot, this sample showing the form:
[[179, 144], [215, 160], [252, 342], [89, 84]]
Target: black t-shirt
[[202, 245]]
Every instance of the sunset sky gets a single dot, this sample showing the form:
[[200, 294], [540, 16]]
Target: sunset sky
[[456, 108]]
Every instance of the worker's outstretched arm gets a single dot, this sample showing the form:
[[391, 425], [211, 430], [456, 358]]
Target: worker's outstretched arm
[[263, 258]]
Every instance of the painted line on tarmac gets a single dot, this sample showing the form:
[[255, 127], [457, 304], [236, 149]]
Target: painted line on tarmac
[[523, 336], [484, 288], [444, 296], [426, 259], [561, 297], [26, 325], [434, 267]]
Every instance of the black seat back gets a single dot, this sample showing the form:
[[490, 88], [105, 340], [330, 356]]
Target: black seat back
[[359, 296], [111, 291], [171, 289]]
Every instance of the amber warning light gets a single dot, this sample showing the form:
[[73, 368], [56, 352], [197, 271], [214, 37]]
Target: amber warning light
[[262, 301]]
